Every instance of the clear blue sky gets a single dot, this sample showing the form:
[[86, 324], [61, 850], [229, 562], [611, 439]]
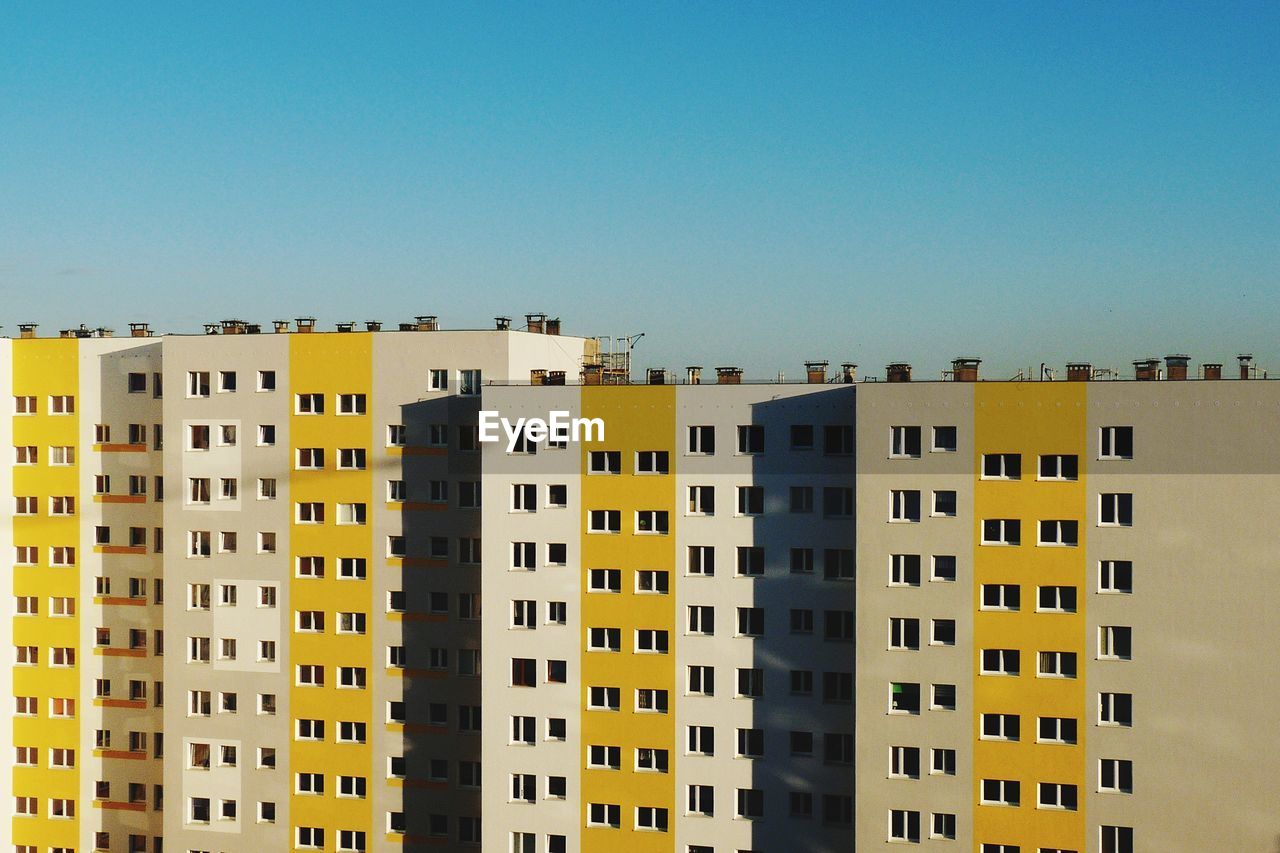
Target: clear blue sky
[[747, 183]]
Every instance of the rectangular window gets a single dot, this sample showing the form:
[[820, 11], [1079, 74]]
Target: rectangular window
[[1001, 531], [750, 560], [1115, 576], [604, 521], [904, 570], [904, 442], [802, 436], [1056, 664], [351, 404], [1055, 795], [1001, 792], [701, 560], [837, 440], [751, 439], [266, 380], [904, 505], [1115, 775], [1115, 642], [1064, 533], [1001, 727], [1001, 466], [1056, 730], [1056, 599], [1115, 709], [702, 440], [652, 462], [702, 500], [1115, 510], [1059, 467], [1000, 662], [198, 383], [651, 522], [469, 383], [750, 500], [944, 504], [308, 404], [1115, 442]]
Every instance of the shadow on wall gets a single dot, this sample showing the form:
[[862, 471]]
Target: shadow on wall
[[805, 657], [441, 706]]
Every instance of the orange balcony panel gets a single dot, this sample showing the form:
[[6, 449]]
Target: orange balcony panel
[[119, 499]]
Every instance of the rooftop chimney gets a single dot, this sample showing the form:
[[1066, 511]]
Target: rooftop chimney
[[965, 369], [693, 373], [1079, 371], [848, 372], [280, 326], [233, 327], [555, 377], [1244, 359], [553, 326], [816, 371], [1147, 369], [306, 325], [502, 324], [538, 377], [1175, 367], [211, 328], [657, 376], [427, 323], [372, 326], [899, 371], [728, 375], [253, 329], [592, 374], [345, 327], [1212, 370], [138, 330], [27, 330], [535, 323]]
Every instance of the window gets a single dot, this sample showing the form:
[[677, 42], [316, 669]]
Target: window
[[395, 435], [652, 462], [1056, 599], [604, 580], [904, 570], [1115, 775], [308, 404], [801, 621], [942, 826], [943, 632], [651, 522], [904, 826], [604, 814], [604, 462], [701, 560], [904, 633], [1001, 727], [266, 380], [1115, 510], [1000, 792], [1115, 709], [802, 436], [1055, 795], [701, 740], [904, 442], [751, 439], [351, 404], [750, 500], [904, 505], [750, 803], [1056, 664], [198, 383], [701, 800], [604, 639], [1060, 532], [702, 681], [25, 455], [603, 698], [652, 582], [837, 440], [1056, 730], [351, 513], [944, 504], [837, 502], [702, 500], [351, 459], [750, 682], [1059, 467], [1115, 642], [904, 698], [1000, 662], [351, 622], [801, 499], [1117, 839], [62, 455], [651, 818], [750, 560], [310, 837], [310, 512], [652, 760], [310, 675], [1115, 576], [1115, 442], [469, 382], [311, 567], [1001, 596], [1001, 466], [604, 521], [904, 762], [651, 641], [944, 568], [1001, 531], [702, 440]]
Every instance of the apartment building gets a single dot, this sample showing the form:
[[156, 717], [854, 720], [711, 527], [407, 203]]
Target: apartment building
[[325, 583], [1062, 588], [83, 621], [669, 626]]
